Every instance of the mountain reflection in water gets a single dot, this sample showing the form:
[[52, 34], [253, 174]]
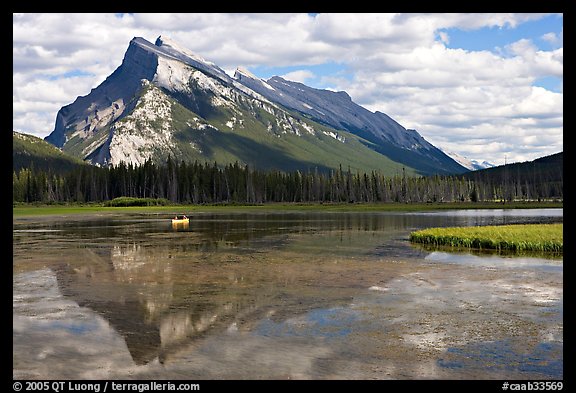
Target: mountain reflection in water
[[268, 296], [157, 305]]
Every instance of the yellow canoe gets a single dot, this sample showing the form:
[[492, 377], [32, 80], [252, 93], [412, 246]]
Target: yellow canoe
[[181, 220]]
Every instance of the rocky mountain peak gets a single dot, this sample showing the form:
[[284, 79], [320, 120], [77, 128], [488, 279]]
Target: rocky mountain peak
[[467, 163], [243, 72], [172, 49], [165, 100], [162, 40], [169, 46]]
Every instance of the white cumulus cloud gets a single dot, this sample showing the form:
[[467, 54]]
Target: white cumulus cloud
[[299, 76], [473, 102]]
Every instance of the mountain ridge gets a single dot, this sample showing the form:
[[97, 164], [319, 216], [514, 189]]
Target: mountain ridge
[[164, 100], [544, 175], [472, 165], [29, 152]]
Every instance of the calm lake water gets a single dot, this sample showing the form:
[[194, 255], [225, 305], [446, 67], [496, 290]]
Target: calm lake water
[[280, 296]]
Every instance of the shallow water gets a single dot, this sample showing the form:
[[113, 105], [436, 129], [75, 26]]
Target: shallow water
[[279, 296]]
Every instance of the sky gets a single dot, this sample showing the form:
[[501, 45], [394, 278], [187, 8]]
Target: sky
[[484, 86]]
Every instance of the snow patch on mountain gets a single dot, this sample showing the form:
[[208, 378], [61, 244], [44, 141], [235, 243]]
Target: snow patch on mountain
[[235, 122], [173, 75], [168, 47], [335, 136], [308, 128], [243, 74], [133, 115], [467, 163], [251, 93], [176, 76], [166, 42]]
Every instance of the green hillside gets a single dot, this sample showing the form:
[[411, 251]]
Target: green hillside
[[543, 176], [549, 168], [261, 144], [28, 151]]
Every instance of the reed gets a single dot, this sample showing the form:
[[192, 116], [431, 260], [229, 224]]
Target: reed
[[525, 237]]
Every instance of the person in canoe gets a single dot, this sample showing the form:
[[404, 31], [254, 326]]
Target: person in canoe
[[180, 219]]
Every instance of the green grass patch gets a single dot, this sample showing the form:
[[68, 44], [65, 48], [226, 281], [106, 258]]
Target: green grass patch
[[527, 237], [37, 209], [130, 201]]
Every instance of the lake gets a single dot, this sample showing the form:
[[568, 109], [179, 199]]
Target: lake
[[280, 295]]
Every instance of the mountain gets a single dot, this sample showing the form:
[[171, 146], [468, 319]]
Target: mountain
[[30, 151], [337, 110], [549, 167], [472, 165], [164, 100], [545, 174]]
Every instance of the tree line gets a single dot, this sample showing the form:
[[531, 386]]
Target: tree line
[[199, 183]]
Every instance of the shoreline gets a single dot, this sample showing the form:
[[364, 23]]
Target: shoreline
[[32, 210]]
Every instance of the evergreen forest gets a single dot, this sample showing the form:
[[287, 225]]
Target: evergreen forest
[[207, 183]]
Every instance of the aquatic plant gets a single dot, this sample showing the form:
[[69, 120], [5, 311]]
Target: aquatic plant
[[526, 237]]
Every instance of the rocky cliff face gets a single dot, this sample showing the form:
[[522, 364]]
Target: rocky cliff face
[[164, 101], [336, 109], [89, 117]]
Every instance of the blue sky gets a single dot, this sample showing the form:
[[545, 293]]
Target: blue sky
[[317, 75], [491, 37], [485, 86], [544, 33]]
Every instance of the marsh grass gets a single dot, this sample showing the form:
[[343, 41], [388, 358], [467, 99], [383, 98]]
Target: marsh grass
[[37, 209], [526, 237], [130, 201]]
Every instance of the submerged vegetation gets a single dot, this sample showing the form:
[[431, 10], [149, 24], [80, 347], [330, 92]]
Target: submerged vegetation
[[527, 237]]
